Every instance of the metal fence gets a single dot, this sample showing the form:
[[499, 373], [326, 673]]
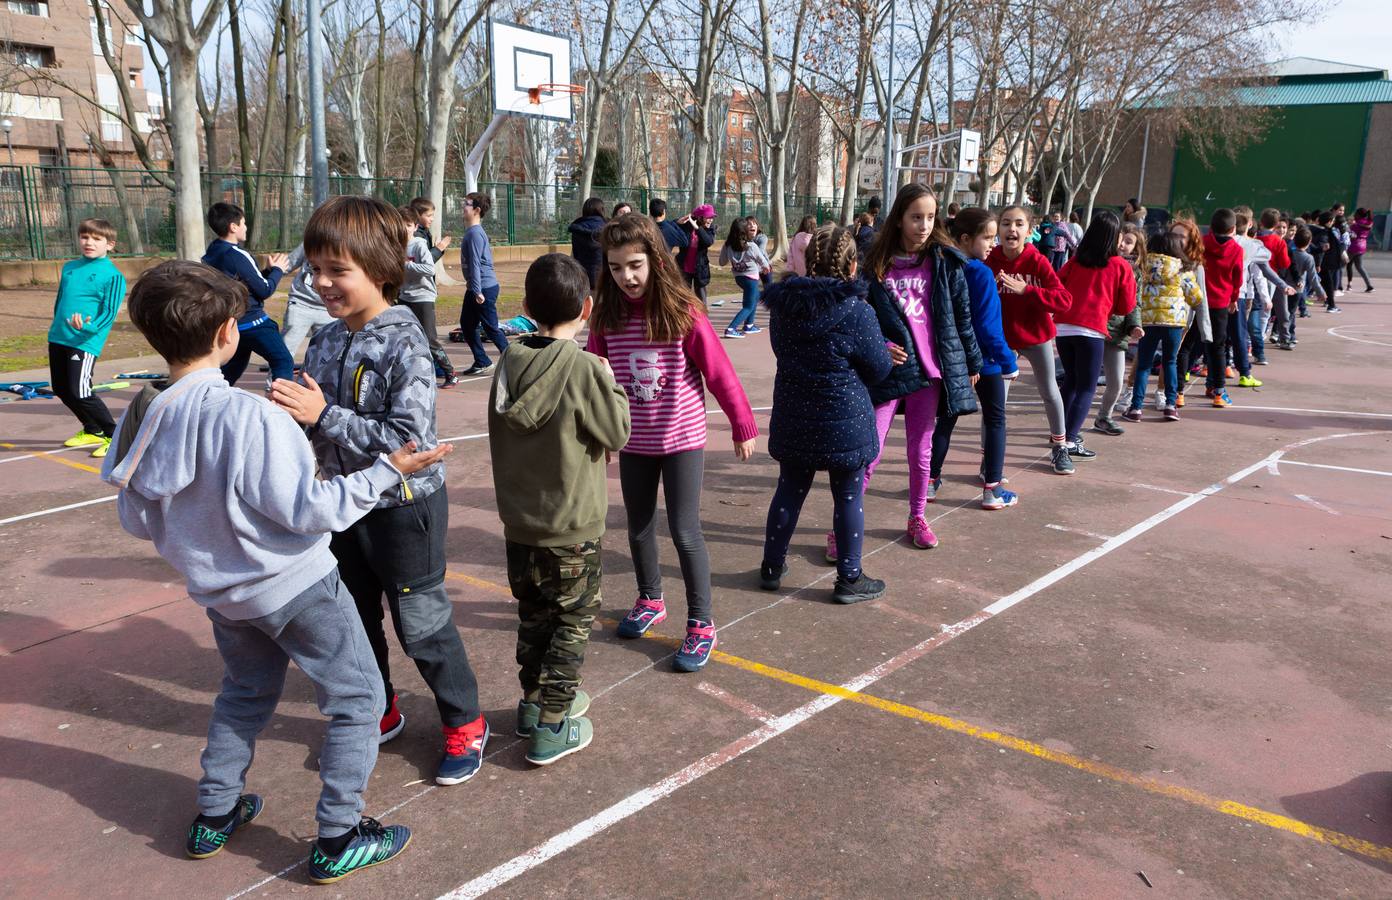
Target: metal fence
[[41, 206]]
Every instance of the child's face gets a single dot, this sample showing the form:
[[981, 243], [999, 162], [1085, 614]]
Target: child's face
[[237, 231], [1014, 229], [347, 291], [1127, 244], [622, 211], [92, 246], [628, 266], [1281, 230], [1055, 218], [427, 218], [917, 224], [979, 247]]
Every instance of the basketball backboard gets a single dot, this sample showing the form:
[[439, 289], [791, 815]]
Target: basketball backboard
[[524, 59]]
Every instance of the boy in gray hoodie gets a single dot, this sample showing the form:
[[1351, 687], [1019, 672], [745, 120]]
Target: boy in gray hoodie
[[260, 565], [418, 292], [554, 415]]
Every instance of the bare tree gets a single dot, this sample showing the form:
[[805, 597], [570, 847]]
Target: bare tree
[[449, 38], [602, 68]]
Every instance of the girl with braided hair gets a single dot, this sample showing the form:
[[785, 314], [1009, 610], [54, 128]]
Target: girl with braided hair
[[829, 348]]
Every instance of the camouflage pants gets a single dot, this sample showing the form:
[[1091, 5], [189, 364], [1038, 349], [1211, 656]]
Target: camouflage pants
[[557, 591]]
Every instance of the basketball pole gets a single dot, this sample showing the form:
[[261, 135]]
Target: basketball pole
[[473, 163], [318, 149]]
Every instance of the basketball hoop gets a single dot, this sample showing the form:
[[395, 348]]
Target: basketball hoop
[[535, 94]]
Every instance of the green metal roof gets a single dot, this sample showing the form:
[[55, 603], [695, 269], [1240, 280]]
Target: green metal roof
[[1322, 93]]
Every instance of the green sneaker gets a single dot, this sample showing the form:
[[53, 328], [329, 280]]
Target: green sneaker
[[547, 746], [528, 714]]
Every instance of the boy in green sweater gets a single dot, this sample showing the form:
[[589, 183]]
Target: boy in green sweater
[[554, 415], [89, 296]]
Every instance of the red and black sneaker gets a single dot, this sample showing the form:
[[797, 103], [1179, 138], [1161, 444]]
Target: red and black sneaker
[[392, 722]]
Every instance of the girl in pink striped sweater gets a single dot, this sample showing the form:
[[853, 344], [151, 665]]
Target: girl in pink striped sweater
[[662, 348]]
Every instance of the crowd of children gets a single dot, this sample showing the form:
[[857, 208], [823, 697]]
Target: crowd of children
[[300, 532]]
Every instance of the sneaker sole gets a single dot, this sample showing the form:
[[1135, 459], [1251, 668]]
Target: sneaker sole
[[637, 634], [253, 818], [563, 754], [915, 544], [332, 879], [995, 506], [688, 668], [851, 600], [573, 711], [388, 735]]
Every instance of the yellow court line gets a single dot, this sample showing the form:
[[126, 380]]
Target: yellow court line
[[480, 583], [57, 459]]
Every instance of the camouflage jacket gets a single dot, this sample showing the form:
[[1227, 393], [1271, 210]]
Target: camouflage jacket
[[380, 386]]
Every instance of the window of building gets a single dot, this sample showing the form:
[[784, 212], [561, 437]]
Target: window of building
[[25, 55], [110, 37], [746, 167], [27, 106], [134, 35], [133, 76], [49, 166], [734, 120], [732, 165], [748, 122], [748, 145], [29, 7]]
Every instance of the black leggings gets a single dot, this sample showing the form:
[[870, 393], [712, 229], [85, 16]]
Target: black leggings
[[990, 391], [1082, 362], [847, 517], [1356, 262], [680, 475], [1218, 349]]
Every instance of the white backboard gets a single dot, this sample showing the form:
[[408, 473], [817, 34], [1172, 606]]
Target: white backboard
[[523, 58], [968, 151]]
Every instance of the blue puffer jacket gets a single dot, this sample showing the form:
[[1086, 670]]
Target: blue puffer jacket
[[829, 347], [959, 356]]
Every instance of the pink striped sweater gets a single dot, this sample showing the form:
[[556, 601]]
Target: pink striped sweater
[[664, 385]]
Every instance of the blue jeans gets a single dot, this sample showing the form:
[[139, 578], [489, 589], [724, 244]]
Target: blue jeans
[[1256, 328], [750, 287], [1238, 338], [848, 515], [475, 316], [265, 341], [1166, 337], [1082, 362]]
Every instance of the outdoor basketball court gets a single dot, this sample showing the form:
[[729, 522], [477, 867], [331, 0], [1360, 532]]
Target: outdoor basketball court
[[1173, 663]]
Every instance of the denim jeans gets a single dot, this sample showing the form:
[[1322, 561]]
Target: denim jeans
[[475, 316], [1238, 338], [1256, 328], [750, 287], [1166, 337]]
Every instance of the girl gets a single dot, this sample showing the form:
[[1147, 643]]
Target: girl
[[761, 241], [584, 238], [1101, 284], [797, 247], [693, 259], [661, 347], [919, 294], [748, 263], [974, 231], [1120, 331], [622, 208], [1359, 230], [829, 347], [1030, 292], [1169, 295], [864, 234], [1200, 330]]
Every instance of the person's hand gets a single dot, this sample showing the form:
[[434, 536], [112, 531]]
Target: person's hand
[[1232, 307], [1013, 284], [408, 462], [1137, 333], [1290, 291], [975, 378], [444, 242], [745, 449], [604, 360], [77, 321], [1010, 376], [278, 261], [478, 298], [896, 353], [304, 402], [684, 219]]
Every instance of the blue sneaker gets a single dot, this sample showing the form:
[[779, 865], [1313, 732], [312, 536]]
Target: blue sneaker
[[752, 329], [997, 497], [696, 650], [372, 844], [205, 841], [645, 614], [933, 487], [463, 752]]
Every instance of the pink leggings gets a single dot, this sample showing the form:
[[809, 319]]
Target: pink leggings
[[920, 414]]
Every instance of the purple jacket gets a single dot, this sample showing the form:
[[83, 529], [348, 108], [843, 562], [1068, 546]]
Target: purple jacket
[[1359, 230]]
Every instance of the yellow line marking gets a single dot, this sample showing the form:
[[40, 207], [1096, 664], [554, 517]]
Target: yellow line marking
[[56, 459], [480, 583]]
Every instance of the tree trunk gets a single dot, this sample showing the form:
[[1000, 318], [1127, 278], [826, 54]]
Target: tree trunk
[[419, 80], [183, 129], [379, 103], [249, 185], [291, 117], [440, 106], [594, 115]]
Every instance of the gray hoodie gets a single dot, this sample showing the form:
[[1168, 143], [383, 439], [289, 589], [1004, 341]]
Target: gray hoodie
[[223, 483], [419, 284], [302, 285], [380, 386]]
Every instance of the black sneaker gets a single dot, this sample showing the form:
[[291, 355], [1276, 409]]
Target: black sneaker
[[204, 840], [1107, 426], [479, 370], [372, 844], [451, 380], [863, 588], [1078, 451], [769, 579], [1062, 463]]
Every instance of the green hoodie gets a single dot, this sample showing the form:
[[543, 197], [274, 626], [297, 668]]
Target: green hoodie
[[553, 412]]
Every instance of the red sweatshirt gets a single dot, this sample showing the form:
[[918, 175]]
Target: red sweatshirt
[[1026, 318], [1097, 293], [1223, 263], [1280, 255]]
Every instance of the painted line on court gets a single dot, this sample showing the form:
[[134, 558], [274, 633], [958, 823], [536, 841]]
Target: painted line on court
[[642, 799], [1309, 465], [1305, 498], [738, 704], [49, 457], [1337, 328], [1091, 534], [1242, 406], [57, 509], [11, 459], [480, 583], [1163, 490]]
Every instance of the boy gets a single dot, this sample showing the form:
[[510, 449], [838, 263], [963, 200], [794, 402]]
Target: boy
[[418, 292], [480, 310], [1325, 248], [1245, 332], [425, 214], [260, 334], [1223, 267], [1301, 276], [369, 384], [554, 414], [1272, 234], [90, 292], [224, 486], [672, 234]]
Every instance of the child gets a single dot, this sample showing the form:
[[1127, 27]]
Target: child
[[1120, 331], [974, 231], [864, 234], [369, 385], [1359, 229], [260, 334], [797, 247], [418, 292], [662, 347], [1223, 265], [304, 311], [693, 259], [829, 347], [1245, 335], [223, 483], [1062, 241], [1303, 277], [748, 263], [480, 309], [1199, 331], [1272, 232], [1031, 293], [90, 292], [1169, 292], [1328, 257], [919, 294], [584, 238], [425, 217], [1102, 285], [553, 414]]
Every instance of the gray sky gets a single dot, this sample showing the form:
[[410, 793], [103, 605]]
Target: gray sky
[[1354, 31]]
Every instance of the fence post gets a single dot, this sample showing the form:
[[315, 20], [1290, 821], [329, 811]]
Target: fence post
[[512, 213], [744, 208], [31, 231]]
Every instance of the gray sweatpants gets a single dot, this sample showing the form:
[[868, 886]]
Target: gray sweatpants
[[1114, 369], [321, 632], [1041, 360], [680, 475], [301, 321]]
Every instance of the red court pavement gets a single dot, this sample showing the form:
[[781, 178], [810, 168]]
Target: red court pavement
[[1172, 663]]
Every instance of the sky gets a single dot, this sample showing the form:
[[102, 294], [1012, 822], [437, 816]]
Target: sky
[[1352, 31]]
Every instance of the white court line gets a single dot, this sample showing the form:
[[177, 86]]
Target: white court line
[[1310, 465], [1091, 534], [43, 453], [1241, 406], [640, 800], [1335, 332], [1163, 490], [1316, 504], [56, 509]]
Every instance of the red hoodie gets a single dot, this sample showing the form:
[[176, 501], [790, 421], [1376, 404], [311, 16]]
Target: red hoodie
[[1222, 270], [1026, 318], [1097, 293], [1280, 255]]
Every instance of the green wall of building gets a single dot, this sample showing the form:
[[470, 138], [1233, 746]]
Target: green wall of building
[[1309, 159]]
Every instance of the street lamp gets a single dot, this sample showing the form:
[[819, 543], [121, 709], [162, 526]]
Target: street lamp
[[7, 125]]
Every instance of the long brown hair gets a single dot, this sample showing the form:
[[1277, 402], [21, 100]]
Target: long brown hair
[[831, 253], [889, 240], [669, 308], [1193, 241]]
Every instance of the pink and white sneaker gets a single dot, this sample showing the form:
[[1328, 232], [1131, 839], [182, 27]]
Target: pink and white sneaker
[[696, 650], [921, 534], [644, 615]]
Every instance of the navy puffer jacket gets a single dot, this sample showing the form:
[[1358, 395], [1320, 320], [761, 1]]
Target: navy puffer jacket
[[959, 357], [585, 246], [829, 347]]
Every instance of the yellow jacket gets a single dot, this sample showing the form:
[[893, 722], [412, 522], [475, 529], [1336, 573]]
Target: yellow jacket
[[1168, 292]]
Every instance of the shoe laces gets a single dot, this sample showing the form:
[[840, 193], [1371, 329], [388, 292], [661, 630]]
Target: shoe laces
[[461, 740], [695, 636], [644, 606]]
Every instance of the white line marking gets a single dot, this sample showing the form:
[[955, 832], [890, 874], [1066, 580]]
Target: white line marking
[[1291, 462], [1091, 534], [1163, 490], [739, 704], [1335, 331], [1240, 406], [57, 509], [43, 453], [1316, 504]]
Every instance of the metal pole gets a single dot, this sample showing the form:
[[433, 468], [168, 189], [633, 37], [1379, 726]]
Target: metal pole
[[891, 171], [318, 150], [1145, 151]]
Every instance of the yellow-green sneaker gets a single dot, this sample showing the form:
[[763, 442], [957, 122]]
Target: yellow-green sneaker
[[547, 746], [1249, 381], [83, 439], [100, 452], [528, 714]]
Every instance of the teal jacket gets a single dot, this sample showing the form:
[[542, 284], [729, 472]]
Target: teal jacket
[[93, 288]]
